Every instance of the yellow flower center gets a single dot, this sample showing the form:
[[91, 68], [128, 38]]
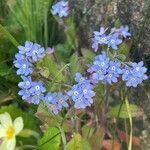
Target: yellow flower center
[[10, 132]]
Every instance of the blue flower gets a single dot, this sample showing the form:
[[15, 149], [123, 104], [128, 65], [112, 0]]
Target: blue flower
[[56, 101], [35, 99], [99, 67], [79, 77], [95, 45], [37, 88], [36, 53], [126, 73], [135, 74], [113, 72], [102, 31], [26, 83], [24, 93], [82, 94], [124, 31], [61, 8], [23, 65], [111, 78], [114, 41], [32, 92], [62, 100], [26, 48], [115, 67], [99, 38], [138, 69]]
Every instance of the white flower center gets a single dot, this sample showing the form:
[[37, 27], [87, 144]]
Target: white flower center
[[127, 72], [27, 83], [85, 91], [37, 87], [34, 52], [76, 93], [102, 64], [24, 66], [137, 68], [103, 39], [99, 71], [112, 41], [110, 75], [113, 67], [61, 100], [49, 98], [81, 79]]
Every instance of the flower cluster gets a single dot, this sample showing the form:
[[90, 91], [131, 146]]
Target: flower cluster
[[56, 101], [28, 54], [61, 8], [108, 71], [112, 40], [31, 91], [34, 91], [135, 74], [82, 92]]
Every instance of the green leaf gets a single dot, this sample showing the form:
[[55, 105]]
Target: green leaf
[[125, 47], [4, 69], [118, 23], [122, 112], [29, 120], [51, 140], [52, 67], [8, 35], [87, 131], [63, 51], [78, 143], [74, 64], [97, 138], [88, 55], [28, 132]]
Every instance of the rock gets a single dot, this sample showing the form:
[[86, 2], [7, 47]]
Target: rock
[[91, 14]]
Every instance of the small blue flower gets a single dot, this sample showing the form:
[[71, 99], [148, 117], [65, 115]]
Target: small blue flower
[[95, 45], [37, 88], [26, 48], [115, 67], [24, 93], [56, 101], [124, 31], [82, 94], [99, 38], [136, 74], [36, 53], [113, 72], [126, 73], [99, 67], [26, 83], [102, 31], [79, 77], [61, 8], [19, 57], [35, 99], [111, 78], [24, 66], [114, 41], [138, 69], [62, 100]]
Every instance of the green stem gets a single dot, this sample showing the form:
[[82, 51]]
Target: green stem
[[63, 136]]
